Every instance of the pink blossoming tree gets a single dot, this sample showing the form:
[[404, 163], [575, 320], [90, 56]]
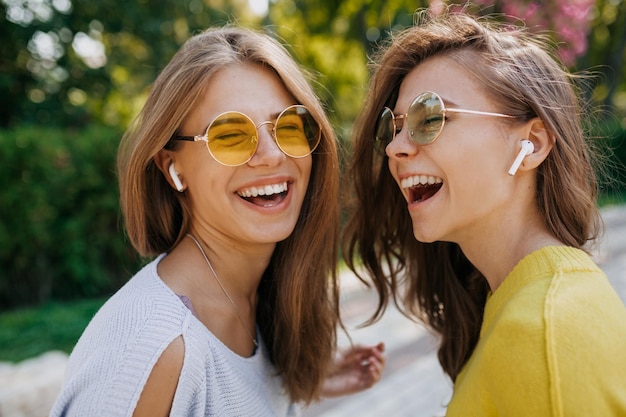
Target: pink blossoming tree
[[569, 21]]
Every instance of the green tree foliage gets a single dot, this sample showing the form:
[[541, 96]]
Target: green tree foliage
[[69, 63], [607, 53], [60, 231]]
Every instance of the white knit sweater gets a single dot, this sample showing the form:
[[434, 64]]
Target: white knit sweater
[[112, 360]]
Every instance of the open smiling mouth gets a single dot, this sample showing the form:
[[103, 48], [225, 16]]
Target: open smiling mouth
[[265, 196], [421, 187]]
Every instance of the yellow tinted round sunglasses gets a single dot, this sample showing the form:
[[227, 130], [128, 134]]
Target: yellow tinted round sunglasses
[[425, 120], [232, 137]]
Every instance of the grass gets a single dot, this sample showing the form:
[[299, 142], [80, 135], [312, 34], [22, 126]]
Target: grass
[[29, 332], [613, 198]]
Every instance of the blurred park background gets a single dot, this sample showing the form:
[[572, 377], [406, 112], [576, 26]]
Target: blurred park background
[[74, 73]]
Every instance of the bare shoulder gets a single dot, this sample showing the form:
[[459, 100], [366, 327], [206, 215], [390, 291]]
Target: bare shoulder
[[158, 393]]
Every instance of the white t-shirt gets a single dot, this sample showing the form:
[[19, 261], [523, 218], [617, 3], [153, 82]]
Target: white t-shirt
[[112, 360]]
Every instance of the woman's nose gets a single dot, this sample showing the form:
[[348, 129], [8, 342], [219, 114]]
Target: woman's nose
[[401, 146], [267, 151]]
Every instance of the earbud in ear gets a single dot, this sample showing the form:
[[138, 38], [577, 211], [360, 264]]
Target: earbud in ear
[[527, 149], [175, 179]]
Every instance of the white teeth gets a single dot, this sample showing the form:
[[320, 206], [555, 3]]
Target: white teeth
[[419, 180], [265, 190]]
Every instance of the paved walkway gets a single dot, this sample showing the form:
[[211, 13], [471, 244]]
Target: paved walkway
[[413, 384]]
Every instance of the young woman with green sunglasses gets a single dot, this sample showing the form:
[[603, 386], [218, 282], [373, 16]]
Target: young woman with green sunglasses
[[474, 205]]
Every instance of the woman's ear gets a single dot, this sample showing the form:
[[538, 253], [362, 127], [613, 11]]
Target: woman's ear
[[542, 143], [165, 162]]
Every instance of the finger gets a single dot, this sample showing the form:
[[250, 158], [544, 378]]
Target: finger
[[375, 368], [380, 355]]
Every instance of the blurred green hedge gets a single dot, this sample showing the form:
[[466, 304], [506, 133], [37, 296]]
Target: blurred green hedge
[[61, 232], [611, 146]]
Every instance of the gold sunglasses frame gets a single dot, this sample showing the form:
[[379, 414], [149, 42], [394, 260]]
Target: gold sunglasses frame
[[205, 137], [444, 110]]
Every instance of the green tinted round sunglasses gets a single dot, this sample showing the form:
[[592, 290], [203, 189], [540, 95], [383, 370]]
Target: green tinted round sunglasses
[[425, 120]]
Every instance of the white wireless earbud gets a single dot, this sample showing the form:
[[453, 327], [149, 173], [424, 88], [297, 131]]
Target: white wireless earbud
[[527, 149], [175, 179]]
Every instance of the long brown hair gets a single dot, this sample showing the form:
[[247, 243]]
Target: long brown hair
[[298, 296], [435, 282]]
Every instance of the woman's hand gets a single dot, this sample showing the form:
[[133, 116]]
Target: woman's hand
[[355, 369]]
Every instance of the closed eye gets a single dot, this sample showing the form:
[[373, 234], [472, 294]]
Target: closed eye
[[434, 119], [233, 137]]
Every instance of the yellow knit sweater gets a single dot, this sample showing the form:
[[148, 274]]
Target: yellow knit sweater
[[552, 343]]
